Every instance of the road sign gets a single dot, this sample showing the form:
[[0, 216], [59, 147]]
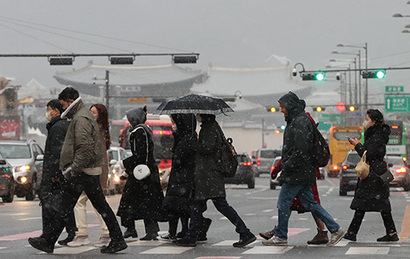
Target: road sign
[[355, 114], [394, 89], [138, 100], [341, 106], [396, 103]]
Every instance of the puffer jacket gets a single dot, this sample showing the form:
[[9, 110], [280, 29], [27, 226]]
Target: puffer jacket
[[297, 166], [82, 145]]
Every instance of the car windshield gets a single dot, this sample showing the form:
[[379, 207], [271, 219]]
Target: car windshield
[[10, 151], [394, 160], [353, 158], [242, 159], [112, 154], [268, 153]]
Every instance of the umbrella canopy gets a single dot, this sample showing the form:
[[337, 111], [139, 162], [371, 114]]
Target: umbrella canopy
[[195, 103]]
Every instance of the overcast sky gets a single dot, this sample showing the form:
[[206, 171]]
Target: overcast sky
[[230, 33]]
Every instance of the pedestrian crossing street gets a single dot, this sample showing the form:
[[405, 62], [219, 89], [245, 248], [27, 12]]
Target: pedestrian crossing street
[[160, 247]]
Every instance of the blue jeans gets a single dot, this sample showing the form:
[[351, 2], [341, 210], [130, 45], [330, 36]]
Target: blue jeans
[[287, 193]]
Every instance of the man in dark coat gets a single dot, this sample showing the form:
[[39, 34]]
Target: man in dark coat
[[372, 194], [209, 184], [141, 199], [52, 178], [298, 172]]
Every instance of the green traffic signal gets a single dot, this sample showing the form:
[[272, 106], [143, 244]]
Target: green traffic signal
[[379, 74], [320, 76]]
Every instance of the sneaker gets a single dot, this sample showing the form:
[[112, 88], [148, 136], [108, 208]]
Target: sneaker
[[320, 238], [186, 242], [113, 247], [130, 232], [245, 241], [79, 241], [349, 236], [102, 242], [336, 236], [268, 235], [41, 244], [275, 241], [64, 242], [388, 238], [168, 236]]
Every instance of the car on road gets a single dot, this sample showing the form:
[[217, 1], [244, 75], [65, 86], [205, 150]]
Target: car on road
[[245, 172], [26, 158], [115, 181], [275, 182], [6, 180], [348, 177], [400, 172], [264, 158]]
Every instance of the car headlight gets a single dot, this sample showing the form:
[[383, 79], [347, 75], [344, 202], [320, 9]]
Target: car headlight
[[116, 179], [22, 168], [23, 179]]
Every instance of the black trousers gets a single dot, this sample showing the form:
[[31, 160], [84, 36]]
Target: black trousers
[[358, 218], [151, 226], [90, 184]]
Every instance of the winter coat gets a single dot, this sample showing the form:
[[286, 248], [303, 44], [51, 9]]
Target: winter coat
[[141, 199], [208, 180], [297, 166], [372, 194], [181, 180], [82, 145], [57, 129]]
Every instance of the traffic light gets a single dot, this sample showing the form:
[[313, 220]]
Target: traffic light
[[374, 74], [282, 127], [319, 108], [272, 109], [352, 108], [320, 76]]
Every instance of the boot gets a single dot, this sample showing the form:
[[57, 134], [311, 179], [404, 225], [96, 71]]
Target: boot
[[130, 232], [320, 238], [206, 223]]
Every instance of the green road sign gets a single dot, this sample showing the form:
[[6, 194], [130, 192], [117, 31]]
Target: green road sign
[[394, 89], [326, 121], [397, 103]]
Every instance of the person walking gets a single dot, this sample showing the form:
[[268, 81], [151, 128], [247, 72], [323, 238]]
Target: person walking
[[100, 113], [177, 199], [51, 188], [82, 157], [371, 193], [209, 184], [298, 171], [141, 199]]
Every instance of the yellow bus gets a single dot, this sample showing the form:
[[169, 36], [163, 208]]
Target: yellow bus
[[339, 146]]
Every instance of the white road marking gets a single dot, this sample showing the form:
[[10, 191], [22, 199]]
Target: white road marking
[[268, 250], [3, 248], [147, 243], [270, 210], [230, 242], [66, 250], [24, 219], [167, 250], [368, 251]]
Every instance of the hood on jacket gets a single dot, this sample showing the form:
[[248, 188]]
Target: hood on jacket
[[186, 123], [382, 129], [70, 111], [137, 116], [292, 103]]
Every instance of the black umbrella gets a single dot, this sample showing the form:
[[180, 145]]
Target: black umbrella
[[194, 103]]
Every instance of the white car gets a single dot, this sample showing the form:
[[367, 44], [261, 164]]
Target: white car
[[115, 183]]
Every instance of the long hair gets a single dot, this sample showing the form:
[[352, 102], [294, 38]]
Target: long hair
[[102, 121]]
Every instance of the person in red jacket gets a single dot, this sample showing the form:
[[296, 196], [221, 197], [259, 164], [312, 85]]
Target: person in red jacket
[[321, 236]]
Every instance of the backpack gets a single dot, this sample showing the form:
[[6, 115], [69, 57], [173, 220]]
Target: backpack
[[320, 150], [229, 162]]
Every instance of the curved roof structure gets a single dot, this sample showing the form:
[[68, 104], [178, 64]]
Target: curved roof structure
[[133, 81]]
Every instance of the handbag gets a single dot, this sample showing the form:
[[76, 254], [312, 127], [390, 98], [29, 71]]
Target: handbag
[[387, 177], [142, 171], [362, 168]]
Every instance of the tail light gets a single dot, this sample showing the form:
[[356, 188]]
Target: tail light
[[401, 170], [247, 163], [272, 168], [335, 168], [259, 161], [344, 167]]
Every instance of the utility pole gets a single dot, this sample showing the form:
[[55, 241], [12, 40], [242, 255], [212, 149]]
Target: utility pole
[[107, 90]]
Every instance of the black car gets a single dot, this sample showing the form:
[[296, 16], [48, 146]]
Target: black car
[[245, 173], [348, 176], [6, 180]]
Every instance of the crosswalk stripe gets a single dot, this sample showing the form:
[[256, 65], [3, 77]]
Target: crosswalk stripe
[[167, 250], [3, 248], [219, 257], [368, 251], [268, 250], [230, 242], [405, 226], [66, 250], [147, 243]]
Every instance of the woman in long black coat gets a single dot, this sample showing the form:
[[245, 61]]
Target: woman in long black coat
[[372, 194], [141, 199], [177, 200]]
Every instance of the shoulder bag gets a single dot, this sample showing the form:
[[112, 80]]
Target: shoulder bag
[[362, 168], [142, 171]]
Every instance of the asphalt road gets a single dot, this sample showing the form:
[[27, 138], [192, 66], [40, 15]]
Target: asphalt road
[[22, 219]]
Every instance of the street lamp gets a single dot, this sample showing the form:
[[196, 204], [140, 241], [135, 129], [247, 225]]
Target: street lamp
[[348, 61], [366, 63]]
